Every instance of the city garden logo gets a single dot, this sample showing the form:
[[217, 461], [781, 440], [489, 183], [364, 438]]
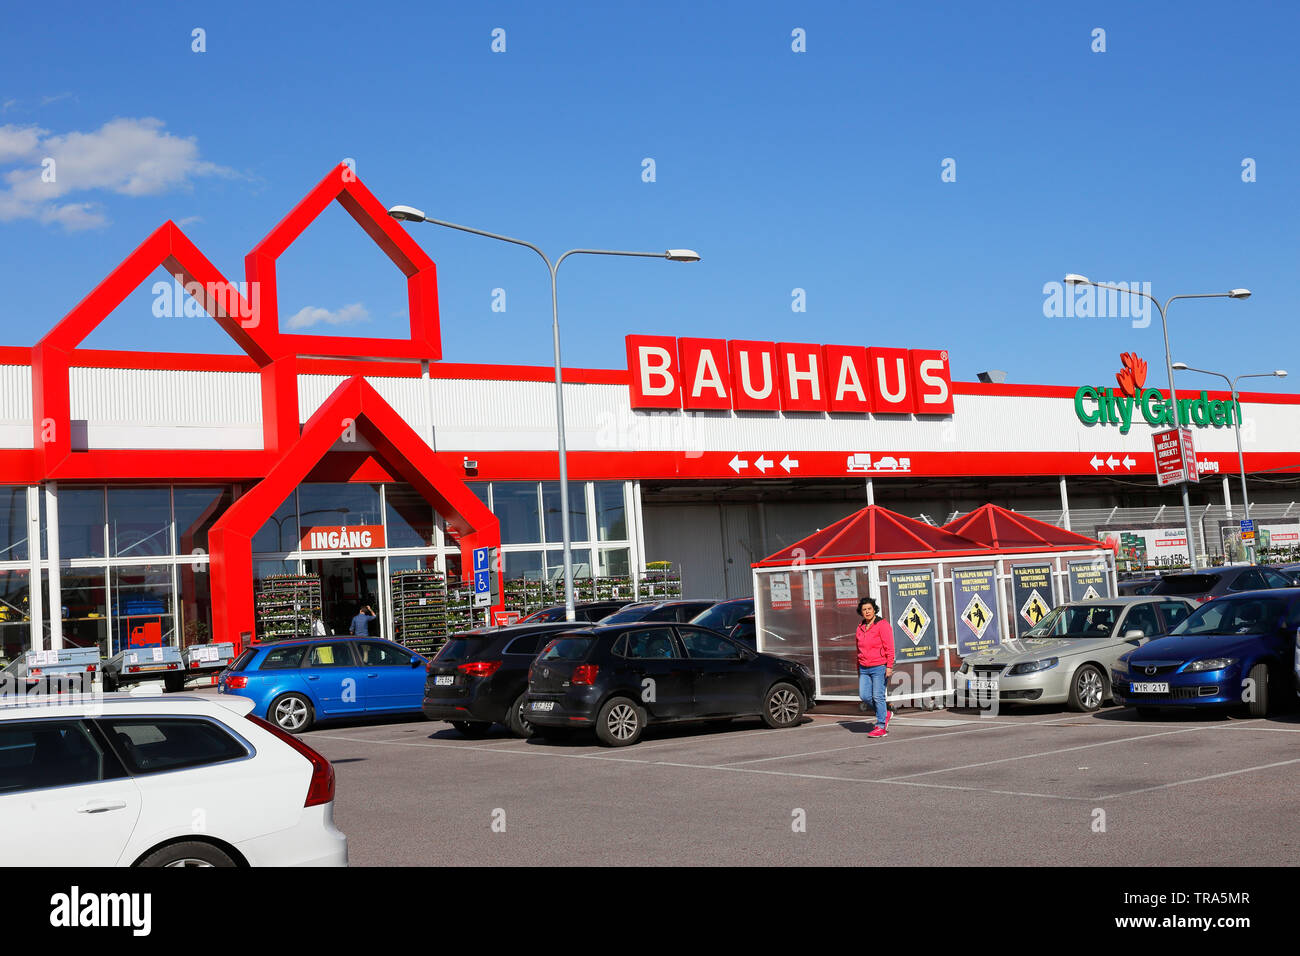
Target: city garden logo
[[1095, 404]]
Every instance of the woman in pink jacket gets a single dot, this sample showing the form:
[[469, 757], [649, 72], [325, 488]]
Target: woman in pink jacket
[[875, 662]]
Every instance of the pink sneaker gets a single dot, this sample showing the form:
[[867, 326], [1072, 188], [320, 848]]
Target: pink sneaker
[[889, 715], [878, 732]]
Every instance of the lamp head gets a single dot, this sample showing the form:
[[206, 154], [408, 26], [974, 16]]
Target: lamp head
[[1181, 366], [1280, 373], [1075, 279], [682, 255], [1239, 294], [406, 214]]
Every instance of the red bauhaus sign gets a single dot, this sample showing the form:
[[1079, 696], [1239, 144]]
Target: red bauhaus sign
[[341, 538], [696, 374], [1175, 456]]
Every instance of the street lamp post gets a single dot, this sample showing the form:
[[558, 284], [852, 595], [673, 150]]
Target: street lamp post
[[1073, 279], [411, 214], [1236, 424]]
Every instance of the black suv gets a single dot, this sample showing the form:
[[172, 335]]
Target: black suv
[[586, 611], [481, 677], [620, 678], [1211, 583]]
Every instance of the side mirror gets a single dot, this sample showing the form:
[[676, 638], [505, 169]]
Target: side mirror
[[415, 662], [1134, 632]]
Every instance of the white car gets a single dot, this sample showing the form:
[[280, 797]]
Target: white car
[[126, 780]]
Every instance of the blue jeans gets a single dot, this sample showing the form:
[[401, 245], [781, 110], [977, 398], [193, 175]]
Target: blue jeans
[[871, 688]]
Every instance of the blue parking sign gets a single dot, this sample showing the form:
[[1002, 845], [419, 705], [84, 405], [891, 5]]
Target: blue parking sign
[[480, 560]]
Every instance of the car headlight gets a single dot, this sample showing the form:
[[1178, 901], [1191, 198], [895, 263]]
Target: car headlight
[[1033, 667], [1211, 664]]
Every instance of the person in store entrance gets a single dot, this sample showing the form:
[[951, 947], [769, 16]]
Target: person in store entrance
[[361, 623], [875, 662]]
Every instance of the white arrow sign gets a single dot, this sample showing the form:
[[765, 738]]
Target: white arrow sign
[[787, 463], [1111, 462], [1129, 463], [738, 463], [763, 464], [1096, 463]]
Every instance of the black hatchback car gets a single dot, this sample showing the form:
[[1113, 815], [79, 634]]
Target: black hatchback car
[[658, 611], [480, 678], [587, 611], [619, 679], [1216, 582]]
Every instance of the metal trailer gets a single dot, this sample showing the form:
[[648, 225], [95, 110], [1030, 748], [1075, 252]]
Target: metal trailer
[[136, 664], [68, 669], [208, 660]]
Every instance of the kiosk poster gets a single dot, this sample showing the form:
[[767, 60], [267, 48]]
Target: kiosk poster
[[1031, 594], [911, 602], [780, 592], [975, 607], [1088, 581]]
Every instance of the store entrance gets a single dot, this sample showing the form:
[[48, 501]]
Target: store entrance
[[346, 586]]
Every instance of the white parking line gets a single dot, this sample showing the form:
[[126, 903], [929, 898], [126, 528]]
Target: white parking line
[[1044, 753], [1213, 776], [865, 743]]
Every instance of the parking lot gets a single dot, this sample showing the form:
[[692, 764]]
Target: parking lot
[[1037, 786]]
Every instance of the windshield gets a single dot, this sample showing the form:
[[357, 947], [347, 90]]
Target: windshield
[[566, 649], [1186, 584], [629, 614], [723, 617], [460, 647], [1233, 616], [548, 616], [1078, 620]]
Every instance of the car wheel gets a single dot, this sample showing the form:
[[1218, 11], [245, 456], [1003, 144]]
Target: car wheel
[[620, 722], [783, 706], [516, 723], [1259, 684], [291, 712], [473, 729], [191, 853], [1087, 689], [1148, 713]]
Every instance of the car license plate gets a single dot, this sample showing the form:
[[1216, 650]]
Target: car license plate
[[1150, 688], [542, 705], [981, 684], [442, 680]]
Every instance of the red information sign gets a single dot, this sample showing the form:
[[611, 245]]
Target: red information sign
[[1175, 456], [1189, 456], [341, 538], [505, 618]]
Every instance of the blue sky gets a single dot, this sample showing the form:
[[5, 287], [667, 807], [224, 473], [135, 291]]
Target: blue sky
[[817, 170]]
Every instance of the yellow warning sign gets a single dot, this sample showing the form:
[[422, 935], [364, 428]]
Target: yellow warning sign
[[977, 616], [914, 621], [1035, 608]]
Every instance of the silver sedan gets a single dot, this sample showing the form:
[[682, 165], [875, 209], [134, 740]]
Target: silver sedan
[[1066, 658]]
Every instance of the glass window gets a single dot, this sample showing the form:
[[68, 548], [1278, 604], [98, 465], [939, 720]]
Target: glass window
[[555, 564], [524, 645], [197, 510], [376, 654], [1248, 580], [84, 608], [15, 629], [196, 604], [614, 563], [1174, 612], [577, 511], [410, 517], [705, 646], [81, 522], [523, 565], [139, 521], [515, 505], [282, 658], [654, 643], [13, 523], [338, 504], [329, 655], [1274, 580], [280, 533], [49, 753], [1142, 618], [1234, 615], [611, 511], [143, 614], [567, 649], [480, 489], [156, 744]]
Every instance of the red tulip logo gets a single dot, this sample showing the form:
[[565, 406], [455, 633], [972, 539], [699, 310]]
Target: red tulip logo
[[1133, 375]]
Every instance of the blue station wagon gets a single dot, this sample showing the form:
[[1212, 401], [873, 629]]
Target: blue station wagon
[[294, 684]]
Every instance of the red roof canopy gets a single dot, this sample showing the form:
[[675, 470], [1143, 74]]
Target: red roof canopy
[[1005, 530], [874, 532]]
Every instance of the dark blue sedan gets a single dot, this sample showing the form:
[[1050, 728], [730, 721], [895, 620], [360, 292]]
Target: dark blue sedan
[[1231, 652], [296, 683]]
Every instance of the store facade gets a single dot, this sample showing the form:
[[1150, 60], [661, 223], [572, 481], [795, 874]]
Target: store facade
[[149, 497]]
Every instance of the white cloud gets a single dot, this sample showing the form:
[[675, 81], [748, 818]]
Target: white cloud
[[314, 315], [129, 157]]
